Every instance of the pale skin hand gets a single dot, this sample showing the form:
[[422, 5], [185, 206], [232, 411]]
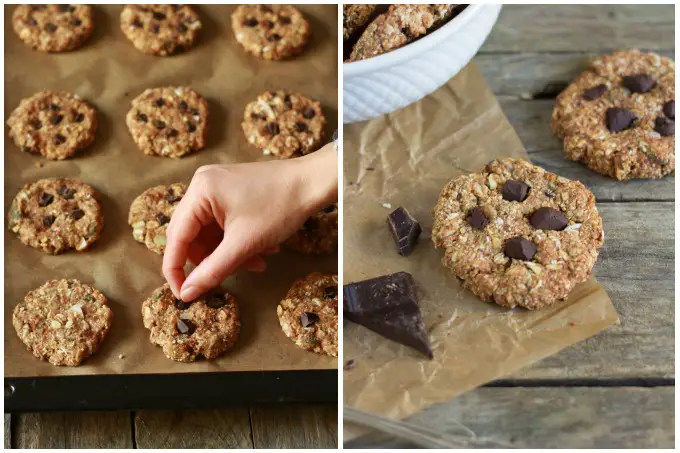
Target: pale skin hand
[[233, 214]]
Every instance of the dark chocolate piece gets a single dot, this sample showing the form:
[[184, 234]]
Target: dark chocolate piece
[[388, 306], [308, 319], [405, 230]]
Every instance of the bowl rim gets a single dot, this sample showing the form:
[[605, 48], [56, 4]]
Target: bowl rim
[[410, 50]]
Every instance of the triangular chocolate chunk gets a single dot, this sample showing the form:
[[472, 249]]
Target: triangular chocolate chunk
[[388, 306]]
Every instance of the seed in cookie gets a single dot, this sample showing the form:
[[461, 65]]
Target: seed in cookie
[[318, 235], [309, 313], [284, 124], [55, 224], [548, 219], [187, 331], [63, 321], [477, 219], [520, 249], [160, 30], [638, 83], [168, 122], [272, 32], [150, 214], [515, 190], [595, 92], [33, 128], [53, 28]]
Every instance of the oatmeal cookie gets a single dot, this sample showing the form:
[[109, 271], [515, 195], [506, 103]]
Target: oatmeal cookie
[[355, 17], [272, 32], [53, 28], [284, 124], [319, 234], [168, 122], [206, 327], [160, 29], [309, 313], [63, 321], [516, 234], [618, 117], [53, 124], [56, 215], [150, 214]]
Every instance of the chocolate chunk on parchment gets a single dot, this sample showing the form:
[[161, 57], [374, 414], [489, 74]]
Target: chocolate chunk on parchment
[[405, 230]]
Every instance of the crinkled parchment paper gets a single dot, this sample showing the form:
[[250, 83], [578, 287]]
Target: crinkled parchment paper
[[109, 72], [404, 159]]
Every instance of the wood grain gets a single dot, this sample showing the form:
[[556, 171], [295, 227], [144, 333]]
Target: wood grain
[[8, 431], [295, 427]]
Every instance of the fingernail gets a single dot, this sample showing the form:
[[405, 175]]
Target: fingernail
[[189, 293]]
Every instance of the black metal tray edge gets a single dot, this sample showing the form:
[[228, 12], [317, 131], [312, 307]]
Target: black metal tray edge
[[169, 391]]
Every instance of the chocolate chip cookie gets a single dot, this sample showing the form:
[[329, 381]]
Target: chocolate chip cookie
[[309, 313], [63, 321], [150, 214], [54, 124], [206, 327], [319, 234], [517, 235], [56, 215], [272, 32], [53, 28], [284, 124], [618, 117], [169, 121], [160, 29]]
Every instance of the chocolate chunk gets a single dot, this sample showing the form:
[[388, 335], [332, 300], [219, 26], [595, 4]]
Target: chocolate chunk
[[182, 105], [37, 124], [330, 292], [76, 22], [272, 128], [285, 20], [159, 102], [31, 21], [477, 219], [78, 117], [59, 139], [50, 27], [77, 213], [595, 92], [216, 301], [46, 199], [405, 230], [155, 29], [54, 107], [182, 28], [274, 37], [66, 193], [181, 305], [309, 113], [520, 249], [158, 16], [287, 102], [250, 22], [158, 124], [191, 127], [171, 197], [619, 119], [308, 319], [638, 83], [348, 365], [194, 112], [185, 326], [267, 24], [56, 119], [48, 220], [301, 127], [664, 126], [137, 23], [548, 219], [514, 190], [172, 133], [388, 306], [669, 109], [162, 219], [142, 118]]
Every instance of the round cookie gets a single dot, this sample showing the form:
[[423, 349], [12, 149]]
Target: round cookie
[[150, 214], [309, 313], [284, 124], [187, 330], [618, 117], [354, 17], [168, 122], [56, 215], [63, 321], [318, 235], [517, 235], [272, 32], [53, 28], [54, 124], [160, 29]]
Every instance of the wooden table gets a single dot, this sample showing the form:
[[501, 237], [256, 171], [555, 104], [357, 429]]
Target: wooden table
[[615, 389]]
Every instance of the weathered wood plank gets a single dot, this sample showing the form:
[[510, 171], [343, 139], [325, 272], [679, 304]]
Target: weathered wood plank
[[193, 429], [295, 427], [566, 28], [73, 430], [8, 431], [624, 417]]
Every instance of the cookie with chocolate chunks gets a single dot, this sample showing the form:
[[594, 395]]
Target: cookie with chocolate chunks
[[529, 253], [56, 215], [53, 28], [309, 313], [160, 29], [318, 235], [150, 214]]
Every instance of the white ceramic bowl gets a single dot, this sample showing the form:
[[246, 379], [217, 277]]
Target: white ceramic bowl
[[388, 82]]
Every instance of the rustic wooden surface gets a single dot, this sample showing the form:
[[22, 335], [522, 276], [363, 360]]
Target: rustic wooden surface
[[617, 388]]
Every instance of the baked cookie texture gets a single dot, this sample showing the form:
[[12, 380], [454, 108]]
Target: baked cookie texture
[[160, 30], [63, 321], [618, 117], [206, 327], [355, 17], [150, 214], [53, 28], [271, 32], [318, 235], [53, 124], [517, 235], [56, 214], [169, 121], [309, 313]]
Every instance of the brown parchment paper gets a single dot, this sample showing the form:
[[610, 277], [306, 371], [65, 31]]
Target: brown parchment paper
[[109, 72], [405, 159]]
